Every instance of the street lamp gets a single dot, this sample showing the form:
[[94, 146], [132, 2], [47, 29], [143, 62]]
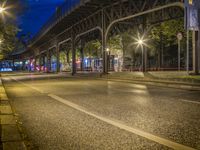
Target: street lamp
[[3, 10], [141, 43], [107, 49], [108, 58]]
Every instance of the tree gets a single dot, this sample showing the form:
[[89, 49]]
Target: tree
[[8, 28], [93, 49], [8, 39], [168, 30], [164, 40]]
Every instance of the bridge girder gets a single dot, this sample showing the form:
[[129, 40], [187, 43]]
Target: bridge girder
[[110, 18]]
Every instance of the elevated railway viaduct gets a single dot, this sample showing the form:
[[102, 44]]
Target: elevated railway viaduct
[[75, 23]]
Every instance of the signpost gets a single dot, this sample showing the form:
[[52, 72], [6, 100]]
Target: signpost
[[179, 37], [188, 54]]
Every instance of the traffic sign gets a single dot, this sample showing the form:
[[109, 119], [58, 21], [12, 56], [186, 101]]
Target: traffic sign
[[179, 36]]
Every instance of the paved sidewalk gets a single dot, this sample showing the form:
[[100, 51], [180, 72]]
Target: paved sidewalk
[[11, 136], [171, 79], [165, 79]]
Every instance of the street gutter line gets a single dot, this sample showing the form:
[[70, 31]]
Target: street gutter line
[[135, 131]]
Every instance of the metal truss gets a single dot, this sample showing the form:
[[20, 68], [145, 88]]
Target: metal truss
[[100, 19]]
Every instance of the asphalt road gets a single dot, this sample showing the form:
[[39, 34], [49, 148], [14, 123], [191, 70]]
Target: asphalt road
[[65, 113]]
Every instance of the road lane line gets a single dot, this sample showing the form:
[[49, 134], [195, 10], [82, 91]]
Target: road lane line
[[32, 87], [141, 133], [188, 101]]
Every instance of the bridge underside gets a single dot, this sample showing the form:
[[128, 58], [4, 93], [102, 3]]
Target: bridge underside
[[99, 20]]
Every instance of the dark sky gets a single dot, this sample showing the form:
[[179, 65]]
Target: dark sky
[[36, 13]]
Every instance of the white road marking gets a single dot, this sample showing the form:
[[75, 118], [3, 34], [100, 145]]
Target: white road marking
[[32, 87], [115, 123], [141, 133], [188, 101]]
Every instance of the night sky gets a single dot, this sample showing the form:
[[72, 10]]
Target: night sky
[[36, 13]]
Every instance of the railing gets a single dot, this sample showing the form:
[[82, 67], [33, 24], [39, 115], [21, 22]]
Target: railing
[[60, 12]]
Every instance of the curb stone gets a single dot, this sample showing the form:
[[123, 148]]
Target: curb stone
[[160, 83], [12, 136], [177, 85]]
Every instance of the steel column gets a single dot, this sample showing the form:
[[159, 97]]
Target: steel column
[[82, 55], [34, 63], [39, 62], [104, 52], [48, 61], [188, 54], [73, 56], [196, 47], [58, 58]]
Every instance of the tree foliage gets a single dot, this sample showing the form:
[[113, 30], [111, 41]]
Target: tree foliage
[[160, 38], [92, 49], [8, 28], [7, 38], [168, 32]]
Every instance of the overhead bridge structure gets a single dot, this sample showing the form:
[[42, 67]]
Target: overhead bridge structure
[[78, 21]]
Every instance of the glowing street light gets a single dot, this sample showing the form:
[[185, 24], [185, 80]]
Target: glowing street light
[[2, 9], [140, 41], [108, 58]]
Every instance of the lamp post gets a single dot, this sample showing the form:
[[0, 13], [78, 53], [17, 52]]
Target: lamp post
[[179, 37], [141, 43], [108, 58]]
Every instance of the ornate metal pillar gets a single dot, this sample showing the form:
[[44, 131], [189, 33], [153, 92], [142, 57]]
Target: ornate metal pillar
[[58, 58], [196, 51], [34, 64], [40, 62], [13, 63], [198, 54], [104, 52], [82, 55], [48, 61], [73, 55]]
